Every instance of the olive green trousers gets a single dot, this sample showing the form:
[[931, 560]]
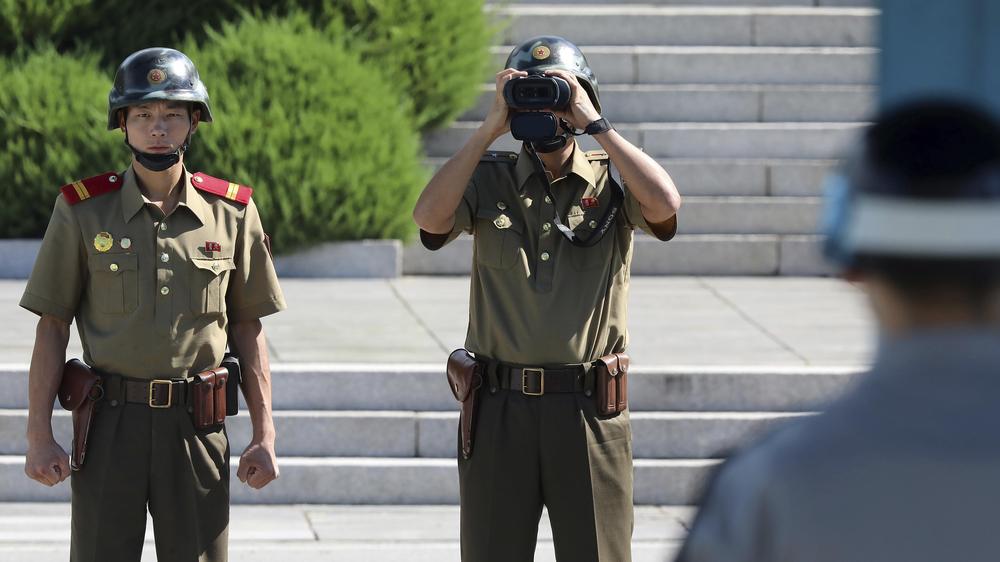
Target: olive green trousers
[[553, 451], [140, 457]]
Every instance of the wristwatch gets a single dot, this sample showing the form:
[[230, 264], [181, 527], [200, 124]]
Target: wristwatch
[[600, 126]]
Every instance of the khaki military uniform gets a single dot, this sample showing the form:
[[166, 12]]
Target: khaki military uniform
[[153, 297], [539, 301]]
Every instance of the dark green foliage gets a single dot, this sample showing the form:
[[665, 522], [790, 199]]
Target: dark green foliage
[[53, 130], [433, 51], [318, 102], [112, 28], [320, 137]]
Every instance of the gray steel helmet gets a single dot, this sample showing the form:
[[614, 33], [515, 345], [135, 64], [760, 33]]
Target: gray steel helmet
[[156, 74], [546, 52]]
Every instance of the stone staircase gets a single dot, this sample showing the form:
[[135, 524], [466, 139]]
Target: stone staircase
[[383, 434], [745, 103]]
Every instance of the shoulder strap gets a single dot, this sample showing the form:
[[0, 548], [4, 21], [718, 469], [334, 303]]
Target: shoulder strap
[[499, 156], [222, 188], [91, 187]]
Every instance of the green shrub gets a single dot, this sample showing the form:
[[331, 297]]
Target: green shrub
[[27, 22], [319, 135], [53, 128], [112, 28], [433, 51]]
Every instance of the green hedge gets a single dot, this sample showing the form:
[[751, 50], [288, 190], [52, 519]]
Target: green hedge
[[428, 49], [111, 28], [319, 102], [434, 51], [320, 136], [53, 128]]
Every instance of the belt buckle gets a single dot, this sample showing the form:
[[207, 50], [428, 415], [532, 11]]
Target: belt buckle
[[541, 381], [170, 393]]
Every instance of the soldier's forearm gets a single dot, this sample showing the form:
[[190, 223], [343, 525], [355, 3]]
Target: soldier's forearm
[[435, 209], [47, 359], [252, 346]]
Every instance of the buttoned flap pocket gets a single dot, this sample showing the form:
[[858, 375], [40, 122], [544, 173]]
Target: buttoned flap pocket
[[497, 238], [209, 281], [114, 282]]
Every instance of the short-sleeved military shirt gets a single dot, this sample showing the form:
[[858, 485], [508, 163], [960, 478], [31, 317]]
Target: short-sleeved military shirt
[[156, 303], [536, 298]]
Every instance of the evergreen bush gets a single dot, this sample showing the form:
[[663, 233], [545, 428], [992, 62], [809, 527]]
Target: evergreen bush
[[53, 124], [434, 51], [320, 136]]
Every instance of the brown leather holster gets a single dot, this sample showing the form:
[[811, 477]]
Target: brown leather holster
[[465, 378], [208, 398], [611, 383], [79, 391]]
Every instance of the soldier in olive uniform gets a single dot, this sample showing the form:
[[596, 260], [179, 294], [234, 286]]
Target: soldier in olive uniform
[[156, 265], [906, 466], [549, 295]]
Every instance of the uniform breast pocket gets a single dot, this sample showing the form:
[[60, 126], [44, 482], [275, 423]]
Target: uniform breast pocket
[[114, 282], [497, 239], [209, 282]]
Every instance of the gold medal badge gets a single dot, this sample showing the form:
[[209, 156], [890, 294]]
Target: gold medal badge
[[103, 241], [541, 52]]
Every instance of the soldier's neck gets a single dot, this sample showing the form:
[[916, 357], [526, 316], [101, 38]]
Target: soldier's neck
[[555, 162], [160, 188]]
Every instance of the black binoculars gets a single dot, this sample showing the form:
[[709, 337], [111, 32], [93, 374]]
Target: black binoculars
[[531, 94], [536, 92]]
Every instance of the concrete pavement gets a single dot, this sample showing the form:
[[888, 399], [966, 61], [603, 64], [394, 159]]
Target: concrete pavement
[[707, 321], [39, 533]]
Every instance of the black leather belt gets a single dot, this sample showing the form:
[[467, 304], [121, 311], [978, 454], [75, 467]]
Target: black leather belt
[[158, 393], [537, 381]]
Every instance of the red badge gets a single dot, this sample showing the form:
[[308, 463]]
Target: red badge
[[213, 247], [589, 202]]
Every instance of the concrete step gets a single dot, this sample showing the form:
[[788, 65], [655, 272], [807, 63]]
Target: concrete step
[[692, 140], [750, 215], [722, 65], [661, 435], [749, 177], [636, 103], [382, 482], [646, 24], [353, 387], [690, 254], [719, 177]]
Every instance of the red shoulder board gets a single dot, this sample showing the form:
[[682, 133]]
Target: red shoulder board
[[91, 187], [222, 188]]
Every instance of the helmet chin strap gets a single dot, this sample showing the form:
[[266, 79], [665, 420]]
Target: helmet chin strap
[[159, 162]]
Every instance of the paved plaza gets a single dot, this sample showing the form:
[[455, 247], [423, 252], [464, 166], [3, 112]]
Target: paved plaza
[[710, 321]]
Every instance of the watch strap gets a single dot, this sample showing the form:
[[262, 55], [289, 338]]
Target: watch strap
[[601, 125]]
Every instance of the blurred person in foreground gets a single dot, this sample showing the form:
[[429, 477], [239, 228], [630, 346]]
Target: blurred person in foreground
[[906, 466]]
